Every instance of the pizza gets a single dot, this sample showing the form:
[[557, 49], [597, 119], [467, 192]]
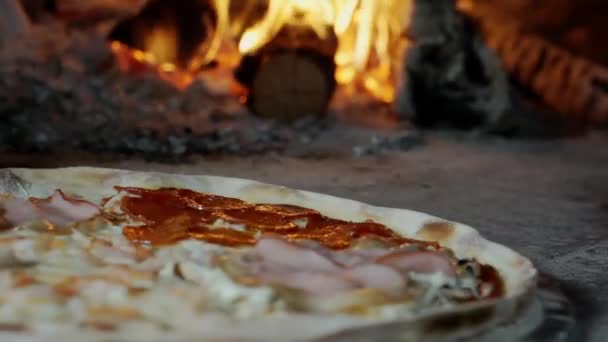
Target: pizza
[[99, 254]]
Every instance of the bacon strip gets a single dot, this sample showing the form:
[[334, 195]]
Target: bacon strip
[[57, 209]]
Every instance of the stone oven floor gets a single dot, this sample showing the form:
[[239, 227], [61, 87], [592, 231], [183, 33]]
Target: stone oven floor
[[548, 200]]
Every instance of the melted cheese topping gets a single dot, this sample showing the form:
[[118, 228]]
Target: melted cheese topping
[[96, 274]]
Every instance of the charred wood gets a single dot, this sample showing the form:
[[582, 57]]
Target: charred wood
[[451, 77]]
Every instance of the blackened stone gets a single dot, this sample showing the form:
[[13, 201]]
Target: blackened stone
[[451, 77]]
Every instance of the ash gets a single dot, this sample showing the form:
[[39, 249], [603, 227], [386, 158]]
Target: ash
[[60, 90], [383, 144]]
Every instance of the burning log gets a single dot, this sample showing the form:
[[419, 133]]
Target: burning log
[[13, 22], [171, 31], [292, 76]]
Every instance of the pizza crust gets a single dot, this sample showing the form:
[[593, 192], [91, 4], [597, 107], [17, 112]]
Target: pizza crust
[[476, 319]]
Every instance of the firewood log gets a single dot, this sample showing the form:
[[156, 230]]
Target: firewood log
[[14, 23], [183, 26], [292, 76], [573, 86]]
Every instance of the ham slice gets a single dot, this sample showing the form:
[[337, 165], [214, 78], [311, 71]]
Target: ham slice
[[375, 277], [319, 283], [279, 254], [419, 261], [57, 209], [15, 211], [316, 270]]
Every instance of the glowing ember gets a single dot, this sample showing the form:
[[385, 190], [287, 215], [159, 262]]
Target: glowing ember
[[136, 61]]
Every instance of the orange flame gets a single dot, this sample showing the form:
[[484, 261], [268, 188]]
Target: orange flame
[[369, 32], [369, 35], [136, 61]]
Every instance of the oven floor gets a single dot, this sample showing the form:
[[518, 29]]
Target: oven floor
[[546, 199]]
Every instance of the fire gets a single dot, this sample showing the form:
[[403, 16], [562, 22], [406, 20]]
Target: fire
[[161, 42], [369, 36], [136, 61], [369, 33]]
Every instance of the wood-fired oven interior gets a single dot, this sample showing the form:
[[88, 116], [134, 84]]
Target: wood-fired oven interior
[[177, 78]]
